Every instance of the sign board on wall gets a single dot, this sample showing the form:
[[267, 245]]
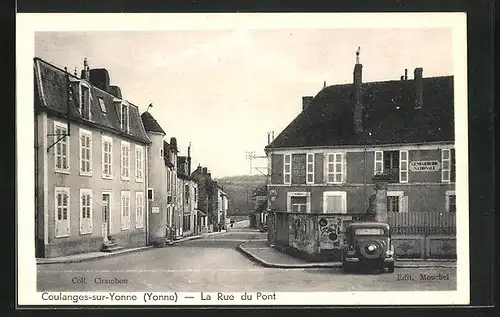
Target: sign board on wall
[[155, 210], [331, 231], [424, 166]]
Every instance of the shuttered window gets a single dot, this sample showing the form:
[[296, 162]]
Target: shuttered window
[[62, 217], [85, 211], [287, 168]]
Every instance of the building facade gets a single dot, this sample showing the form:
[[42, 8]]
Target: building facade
[[189, 199], [325, 159], [90, 158]]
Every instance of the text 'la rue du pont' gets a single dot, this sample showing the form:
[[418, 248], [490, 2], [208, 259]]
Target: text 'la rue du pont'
[[245, 296]]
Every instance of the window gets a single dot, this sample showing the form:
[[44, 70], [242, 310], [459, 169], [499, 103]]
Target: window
[[335, 202], [125, 210], [101, 104], [287, 169], [186, 222], [85, 152], [299, 202], [139, 209], [84, 101], [107, 157], [125, 120], [139, 163], [125, 160], [397, 201], [298, 168], [379, 163], [448, 172], [85, 211], [161, 152], [310, 168], [62, 204], [403, 166], [391, 165], [451, 201], [195, 194], [151, 194], [61, 151], [186, 193], [335, 170]]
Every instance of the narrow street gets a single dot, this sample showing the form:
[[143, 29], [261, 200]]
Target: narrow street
[[212, 264]]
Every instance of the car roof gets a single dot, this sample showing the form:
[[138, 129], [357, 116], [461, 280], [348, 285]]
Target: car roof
[[364, 224]]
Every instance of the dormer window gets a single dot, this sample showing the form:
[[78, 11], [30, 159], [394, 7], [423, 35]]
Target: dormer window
[[125, 119], [84, 106]]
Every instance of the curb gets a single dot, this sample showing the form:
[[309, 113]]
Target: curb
[[175, 242], [99, 257], [335, 265]]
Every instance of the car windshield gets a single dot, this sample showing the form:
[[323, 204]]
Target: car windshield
[[369, 232]]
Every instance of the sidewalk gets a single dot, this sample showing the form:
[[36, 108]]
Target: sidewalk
[[100, 255], [267, 256]]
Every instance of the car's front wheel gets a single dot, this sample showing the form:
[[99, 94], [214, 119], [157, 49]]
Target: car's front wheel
[[390, 268]]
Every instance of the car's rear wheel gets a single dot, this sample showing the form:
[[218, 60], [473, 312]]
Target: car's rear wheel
[[390, 268]]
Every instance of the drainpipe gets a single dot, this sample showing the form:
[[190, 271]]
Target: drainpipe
[[146, 182]]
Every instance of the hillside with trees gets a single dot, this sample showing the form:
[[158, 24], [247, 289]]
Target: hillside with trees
[[239, 190]]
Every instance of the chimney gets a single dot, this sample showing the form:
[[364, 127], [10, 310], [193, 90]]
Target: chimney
[[358, 102], [205, 171], [189, 159], [99, 78], [418, 88], [173, 143], [85, 73], [306, 102], [406, 74], [115, 91]]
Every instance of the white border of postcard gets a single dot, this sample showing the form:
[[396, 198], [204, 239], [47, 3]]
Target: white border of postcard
[[28, 24]]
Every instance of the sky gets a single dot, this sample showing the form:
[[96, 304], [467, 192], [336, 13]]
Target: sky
[[223, 90]]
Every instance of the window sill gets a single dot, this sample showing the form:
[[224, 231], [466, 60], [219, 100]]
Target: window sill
[[107, 177], [62, 236], [140, 227], [125, 229], [85, 174], [66, 172], [139, 180], [85, 233], [125, 179]]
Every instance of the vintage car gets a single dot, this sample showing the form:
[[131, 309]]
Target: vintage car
[[368, 244]]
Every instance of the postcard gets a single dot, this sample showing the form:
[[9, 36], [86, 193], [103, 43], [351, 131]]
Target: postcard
[[242, 159]]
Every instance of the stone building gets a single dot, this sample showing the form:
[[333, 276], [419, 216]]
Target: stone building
[[90, 159]]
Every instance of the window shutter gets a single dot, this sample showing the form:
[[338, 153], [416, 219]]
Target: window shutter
[[403, 200], [403, 166], [122, 212], [344, 167], [378, 163], [91, 212]]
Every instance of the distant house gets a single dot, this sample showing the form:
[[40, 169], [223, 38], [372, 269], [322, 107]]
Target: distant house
[[220, 205], [259, 199], [90, 159], [189, 198], [324, 160]]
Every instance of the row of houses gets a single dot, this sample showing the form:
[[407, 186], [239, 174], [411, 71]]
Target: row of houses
[[106, 178]]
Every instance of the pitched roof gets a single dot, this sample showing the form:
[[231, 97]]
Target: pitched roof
[[51, 95], [150, 123], [328, 120]]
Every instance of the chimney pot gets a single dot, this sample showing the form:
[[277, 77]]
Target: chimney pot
[[406, 74]]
